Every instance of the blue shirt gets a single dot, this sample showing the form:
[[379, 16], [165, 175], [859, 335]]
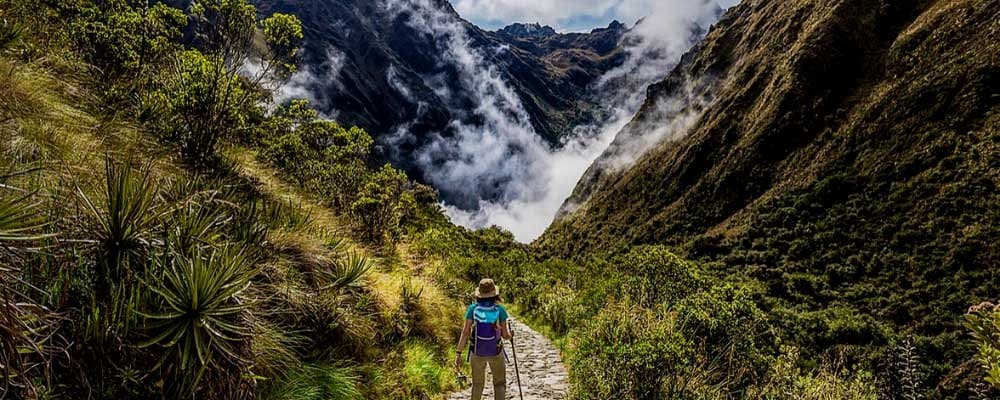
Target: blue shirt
[[472, 307]]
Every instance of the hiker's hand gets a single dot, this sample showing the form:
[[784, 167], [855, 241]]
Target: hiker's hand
[[458, 361]]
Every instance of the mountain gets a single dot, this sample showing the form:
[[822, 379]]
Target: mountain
[[379, 69], [845, 153]]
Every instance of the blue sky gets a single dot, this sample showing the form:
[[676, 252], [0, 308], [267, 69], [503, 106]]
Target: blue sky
[[566, 15]]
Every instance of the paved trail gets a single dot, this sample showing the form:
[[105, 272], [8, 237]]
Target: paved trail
[[543, 376]]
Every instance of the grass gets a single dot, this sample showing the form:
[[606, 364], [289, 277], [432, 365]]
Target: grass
[[316, 382], [424, 370]]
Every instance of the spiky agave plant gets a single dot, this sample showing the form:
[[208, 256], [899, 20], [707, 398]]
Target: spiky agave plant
[[349, 271], [19, 221], [125, 213], [199, 319], [25, 326]]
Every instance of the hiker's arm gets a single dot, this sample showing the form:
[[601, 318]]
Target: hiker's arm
[[504, 330], [462, 340]]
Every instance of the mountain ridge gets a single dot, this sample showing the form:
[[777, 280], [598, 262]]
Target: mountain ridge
[[551, 89], [843, 154]]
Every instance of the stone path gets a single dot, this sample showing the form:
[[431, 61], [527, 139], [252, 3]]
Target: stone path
[[543, 375]]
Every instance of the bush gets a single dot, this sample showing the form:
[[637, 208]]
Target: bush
[[984, 322], [787, 381], [651, 275], [703, 345], [561, 308], [726, 325], [631, 353]]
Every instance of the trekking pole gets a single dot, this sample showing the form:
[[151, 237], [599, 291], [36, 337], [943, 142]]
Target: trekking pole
[[513, 348]]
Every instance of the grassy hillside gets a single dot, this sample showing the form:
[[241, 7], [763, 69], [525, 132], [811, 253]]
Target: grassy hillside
[[162, 235], [845, 157]]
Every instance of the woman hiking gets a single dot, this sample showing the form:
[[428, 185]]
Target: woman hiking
[[486, 323]]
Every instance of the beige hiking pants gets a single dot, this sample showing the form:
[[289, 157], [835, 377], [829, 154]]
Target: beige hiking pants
[[499, 370]]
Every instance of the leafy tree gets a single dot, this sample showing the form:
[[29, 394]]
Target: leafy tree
[[322, 155], [382, 203], [211, 93], [124, 40], [283, 33], [208, 104]]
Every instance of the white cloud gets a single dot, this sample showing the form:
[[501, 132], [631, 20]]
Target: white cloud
[[550, 12], [562, 14], [519, 180], [302, 83]]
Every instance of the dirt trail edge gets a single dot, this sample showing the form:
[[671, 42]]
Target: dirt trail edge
[[543, 375]]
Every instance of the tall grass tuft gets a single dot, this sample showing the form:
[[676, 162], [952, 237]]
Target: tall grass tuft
[[423, 372], [274, 348], [315, 382]]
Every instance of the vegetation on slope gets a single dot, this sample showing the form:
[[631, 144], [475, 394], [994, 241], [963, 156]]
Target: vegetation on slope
[[846, 160], [167, 232], [146, 253]]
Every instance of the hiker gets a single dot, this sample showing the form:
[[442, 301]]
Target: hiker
[[486, 323]]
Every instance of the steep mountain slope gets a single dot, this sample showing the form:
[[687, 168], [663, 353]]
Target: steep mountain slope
[[843, 152], [377, 71]]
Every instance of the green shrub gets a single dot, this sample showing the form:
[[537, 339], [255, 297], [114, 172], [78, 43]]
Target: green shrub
[[631, 353], [704, 345], [725, 323], [651, 275], [786, 380], [561, 308], [984, 322]]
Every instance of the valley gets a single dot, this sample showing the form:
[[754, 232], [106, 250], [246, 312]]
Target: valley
[[501, 123], [675, 199]]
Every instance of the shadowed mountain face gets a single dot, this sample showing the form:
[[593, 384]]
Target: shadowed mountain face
[[853, 142], [369, 65]]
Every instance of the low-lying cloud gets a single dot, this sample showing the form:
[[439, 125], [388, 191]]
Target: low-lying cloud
[[302, 84], [500, 156], [566, 14]]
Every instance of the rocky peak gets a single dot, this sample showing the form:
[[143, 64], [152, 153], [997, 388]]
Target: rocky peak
[[528, 31], [615, 25]]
